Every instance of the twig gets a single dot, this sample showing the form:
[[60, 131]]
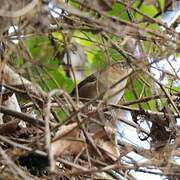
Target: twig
[[36, 122]]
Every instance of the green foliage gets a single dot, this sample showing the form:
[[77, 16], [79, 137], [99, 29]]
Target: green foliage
[[85, 38], [62, 114], [177, 88], [17, 61], [120, 31], [115, 55], [59, 79], [119, 10], [138, 90], [46, 66], [58, 35], [162, 4], [99, 60], [39, 47], [74, 3], [147, 9]]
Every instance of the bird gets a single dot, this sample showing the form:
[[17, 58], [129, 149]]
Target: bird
[[108, 85]]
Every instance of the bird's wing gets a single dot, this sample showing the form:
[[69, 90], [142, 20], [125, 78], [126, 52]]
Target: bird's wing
[[89, 79]]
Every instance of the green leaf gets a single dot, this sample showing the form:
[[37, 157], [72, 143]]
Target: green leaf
[[74, 4], [120, 11], [39, 46], [115, 55], [58, 35], [99, 60], [60, 80], [141, 90], [17, 61], [85, 38], [177, 88], [149, 10], [61, 114], [162, 5]]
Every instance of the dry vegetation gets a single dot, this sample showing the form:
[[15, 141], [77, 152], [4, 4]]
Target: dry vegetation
[[45, 132]]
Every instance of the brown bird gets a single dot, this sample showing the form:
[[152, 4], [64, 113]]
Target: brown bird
[[104, 81], [108, 85]]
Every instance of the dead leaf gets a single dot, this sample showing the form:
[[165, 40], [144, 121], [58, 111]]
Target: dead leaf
[[68, 130], [67, 141], [66, 147], [103, 141], [110, 149]]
